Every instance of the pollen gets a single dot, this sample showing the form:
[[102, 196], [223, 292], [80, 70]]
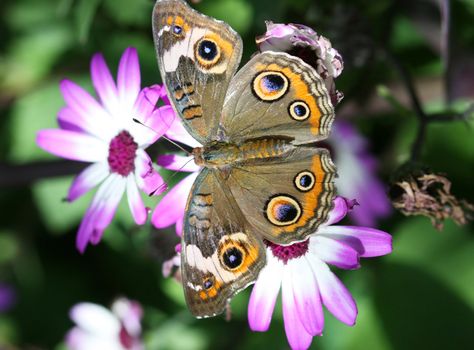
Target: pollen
[[122, 151], [288, 252]]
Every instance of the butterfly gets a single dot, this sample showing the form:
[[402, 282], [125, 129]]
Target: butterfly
[[262, 178]]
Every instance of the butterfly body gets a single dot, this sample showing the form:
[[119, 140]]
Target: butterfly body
[[223, 154], [261, 178]]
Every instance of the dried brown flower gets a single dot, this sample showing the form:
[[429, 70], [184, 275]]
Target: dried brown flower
[[430, 195]]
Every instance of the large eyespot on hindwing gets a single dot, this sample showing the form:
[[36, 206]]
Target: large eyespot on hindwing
[[232, 255], [299, 110], [207, 52], [282, 210], [270, 85], [304, 180]]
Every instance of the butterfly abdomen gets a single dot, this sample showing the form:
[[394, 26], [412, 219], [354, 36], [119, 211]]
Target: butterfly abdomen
[[221, 154]]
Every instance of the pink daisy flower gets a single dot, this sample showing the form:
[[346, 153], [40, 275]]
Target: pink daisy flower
[[357, 170], [100, 328], [103, 133], [301, 272]]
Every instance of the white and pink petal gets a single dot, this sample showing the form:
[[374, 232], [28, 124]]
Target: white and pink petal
[[335, 296], [128, 78], [89, 178], [264, 295], [368, 242], [171, 207], [72, 145], [177, 162], [135, 202], [334, 252], [298, 337]]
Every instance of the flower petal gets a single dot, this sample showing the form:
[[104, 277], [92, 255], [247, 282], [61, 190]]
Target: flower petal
[[101, 211], [297, 336], [95, 319], [83, 103], [78, 339], [148, 179], [334, 294], [150, 129], [177, 132], [368, 242], [335, 252], [264, 294], [307, 299], [128, 78], [339, 211], [177, 163], [135, 202], [147, 99], [179, 226], [72, 145], [104, 84], [87, 179], [171, 207]]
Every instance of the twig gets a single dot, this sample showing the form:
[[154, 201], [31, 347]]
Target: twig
[[19, 175], [445, 9]]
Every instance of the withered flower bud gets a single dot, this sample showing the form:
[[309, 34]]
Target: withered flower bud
[[303, 42], [429, 194]]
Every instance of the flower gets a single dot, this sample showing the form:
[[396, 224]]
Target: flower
[[105, 134], [313, 48], [100, 328], [174, 202], [356, 168], [306, 281], [7, 297]]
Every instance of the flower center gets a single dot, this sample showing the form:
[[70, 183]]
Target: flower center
[[122, 151], [287, 252]]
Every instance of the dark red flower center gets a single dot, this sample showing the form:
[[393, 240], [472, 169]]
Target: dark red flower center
[[122, 150], [287, 252]]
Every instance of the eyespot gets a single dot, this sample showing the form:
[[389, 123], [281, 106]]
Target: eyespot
[[177, 30], [304, 181], [282, 210], [208, 283], [299, 110], [207, 52], [232, 257], [270, 85]]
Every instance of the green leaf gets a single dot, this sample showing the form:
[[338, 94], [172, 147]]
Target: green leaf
[[32, 56], [9, 248], [58, 215], [85, 12], [136, 12], [237, 13], [418, 311], [447, 255]]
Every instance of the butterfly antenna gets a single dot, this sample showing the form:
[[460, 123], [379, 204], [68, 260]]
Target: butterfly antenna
[[163, 136], [164, 185]]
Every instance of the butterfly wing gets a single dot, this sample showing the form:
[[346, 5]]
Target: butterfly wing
[[276, 94], [285, 199], [197, 56], [219, 256]]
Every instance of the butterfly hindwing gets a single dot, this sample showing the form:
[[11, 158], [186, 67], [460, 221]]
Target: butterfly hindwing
[[285, 199], [219, 254]]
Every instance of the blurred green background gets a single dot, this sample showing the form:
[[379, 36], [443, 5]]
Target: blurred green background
[[422, 296]]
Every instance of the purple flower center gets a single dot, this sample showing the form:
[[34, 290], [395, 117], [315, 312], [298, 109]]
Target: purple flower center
[[287, 252], [122, 151]]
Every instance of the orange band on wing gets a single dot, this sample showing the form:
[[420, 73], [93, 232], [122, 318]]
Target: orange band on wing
[[301, 92], [310, 200]]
